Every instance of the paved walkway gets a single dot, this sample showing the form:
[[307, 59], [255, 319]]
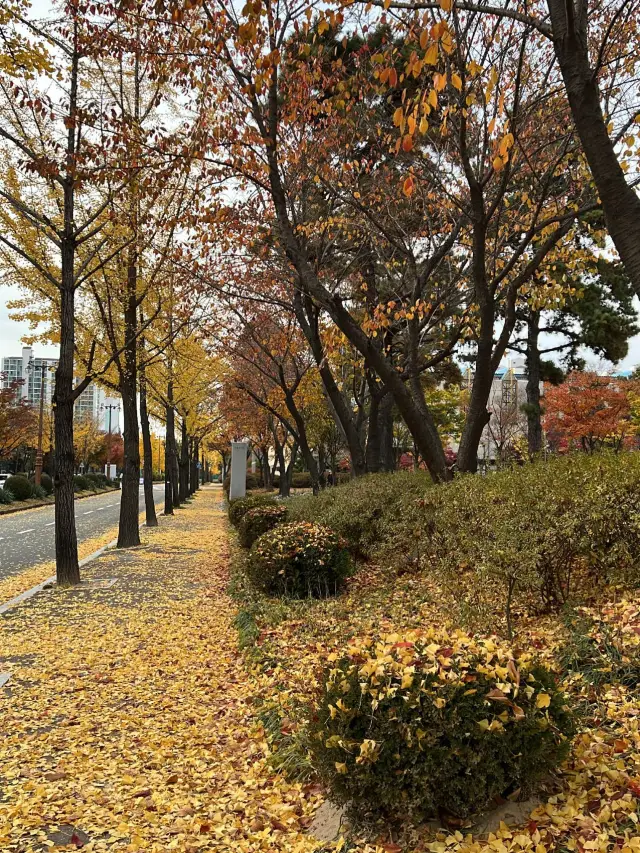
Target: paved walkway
[[127, 720]]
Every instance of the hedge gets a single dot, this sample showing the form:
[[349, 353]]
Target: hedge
[[299, 560], [409, 725], [19, 486]]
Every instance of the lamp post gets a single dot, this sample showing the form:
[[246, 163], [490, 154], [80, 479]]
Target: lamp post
[[110, 408]]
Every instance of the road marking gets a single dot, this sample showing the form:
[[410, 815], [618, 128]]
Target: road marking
[[108, 506], [50, 524], [100, 507], [88, 513], [20, 532]]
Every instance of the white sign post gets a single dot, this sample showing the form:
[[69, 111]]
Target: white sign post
[[238, 487]]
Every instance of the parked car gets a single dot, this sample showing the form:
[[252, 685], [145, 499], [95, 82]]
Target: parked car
[[3, 479]]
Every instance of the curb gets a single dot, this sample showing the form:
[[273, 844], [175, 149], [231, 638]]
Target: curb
[[29, 593]]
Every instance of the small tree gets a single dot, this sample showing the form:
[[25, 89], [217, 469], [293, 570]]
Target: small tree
[[588, 411]]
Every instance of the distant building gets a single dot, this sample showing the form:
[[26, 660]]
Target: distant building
[[507, 422], [27, 369]]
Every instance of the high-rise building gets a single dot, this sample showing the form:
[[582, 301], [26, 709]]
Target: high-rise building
[[28, 370]]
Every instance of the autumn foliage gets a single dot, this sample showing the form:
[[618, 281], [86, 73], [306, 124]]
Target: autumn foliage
[[588, 411]]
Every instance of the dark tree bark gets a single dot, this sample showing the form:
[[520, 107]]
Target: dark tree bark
[[128, 528], [184, 463], [385, 418], [373, 435], [168, 489], [171, 448], [149, 503], [534, 421], [620, 202], [422, 428], [307, 315], [67, 567]]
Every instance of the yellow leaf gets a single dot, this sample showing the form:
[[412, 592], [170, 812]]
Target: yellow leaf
[[498, 163], [456, 82], [431, 56], [424, 125], [543, 700], [446, 5], [424, 39], [398, 116], [341, 768], [433, 98]]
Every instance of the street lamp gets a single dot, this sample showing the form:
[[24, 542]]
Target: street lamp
[[110, 408]]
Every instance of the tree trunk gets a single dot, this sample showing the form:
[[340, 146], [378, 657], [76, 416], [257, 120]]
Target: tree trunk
[[128, 528], [373, 436], [184, 463], [172, 450], [385, 419], [534, 424], [620, 202], [67, 568], [168, 489], [422, 428], [149, 503], [307, 316]]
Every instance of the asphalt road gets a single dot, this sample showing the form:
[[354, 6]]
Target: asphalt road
[[26, 537]]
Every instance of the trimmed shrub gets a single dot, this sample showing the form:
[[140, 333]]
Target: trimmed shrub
[[301, 480], [259, 520], [365, 510], [46, 482], [6, 497], [82, 484], [238, 507], [19, 486], [39, 492], [97, 479], [299, 560], [409, 725]]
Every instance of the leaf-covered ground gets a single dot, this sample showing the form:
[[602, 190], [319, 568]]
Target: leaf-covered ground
[[133, 720], [593, 804], [128, 722]]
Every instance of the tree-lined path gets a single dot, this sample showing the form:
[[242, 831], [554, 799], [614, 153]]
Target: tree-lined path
[[127, 720]]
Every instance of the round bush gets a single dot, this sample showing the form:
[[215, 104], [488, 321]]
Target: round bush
[[435, 720], [6, 497], [19, 487], [300, 559], [46, 482], [39, 492], [239, 506], [82, 484], [259, 520]]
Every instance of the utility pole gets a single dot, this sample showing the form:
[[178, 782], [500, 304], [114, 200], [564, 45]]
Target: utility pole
[[110, 408]]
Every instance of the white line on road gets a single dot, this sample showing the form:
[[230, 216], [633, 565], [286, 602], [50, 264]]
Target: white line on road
[[108, 506], [88, 513], [50, 524], [20, 532]]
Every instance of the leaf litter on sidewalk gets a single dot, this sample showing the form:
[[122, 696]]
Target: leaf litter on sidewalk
[[128, 724]]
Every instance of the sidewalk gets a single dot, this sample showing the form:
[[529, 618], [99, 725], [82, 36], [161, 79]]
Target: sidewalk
[[127, 721]]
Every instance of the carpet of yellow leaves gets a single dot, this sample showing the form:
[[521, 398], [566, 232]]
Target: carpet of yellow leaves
[[594, 804], [22, 581], [128, 717]]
